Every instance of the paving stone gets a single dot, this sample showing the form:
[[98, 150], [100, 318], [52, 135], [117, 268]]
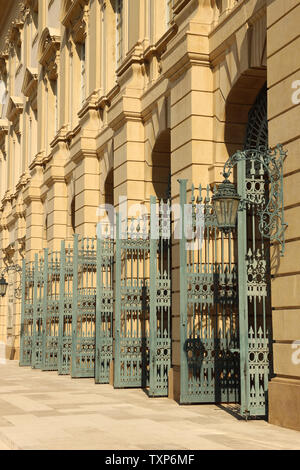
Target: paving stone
[[41, 410]]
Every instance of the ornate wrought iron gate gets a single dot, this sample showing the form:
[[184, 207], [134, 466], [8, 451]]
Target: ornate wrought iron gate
[[260, 219], [143, 301], [160, 297], [132, 303], [104, 308], [208, 304], [65, 309], [38, 295], [225, 337], [27, 313], [50, 346], [84, 308]]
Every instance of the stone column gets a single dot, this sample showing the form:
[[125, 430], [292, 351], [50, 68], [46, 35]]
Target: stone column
[[191, 118], [284, 116], [34, 209], [125, 119]]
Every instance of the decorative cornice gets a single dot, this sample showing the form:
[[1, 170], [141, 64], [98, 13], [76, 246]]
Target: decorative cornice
[[79, 30], [72, 133], [30, 82], [4, 126], [7, 196], [14, 33], [22, 242], [112, 93], [161, 44], [61, 136], [91, 103], [49, 51], [14, 108], [135, 56], [53, 174], [37, 161], [34, 4], [9, 250], [174, 65], [178, 5], [23, 180], [3, 63], [126, 108], [83, 153], [75, 19]]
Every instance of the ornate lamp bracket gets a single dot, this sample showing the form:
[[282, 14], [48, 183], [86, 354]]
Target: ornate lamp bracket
[[13, 268], [269, 165]]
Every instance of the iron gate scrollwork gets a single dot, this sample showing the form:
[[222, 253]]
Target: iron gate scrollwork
[[50, 342], [65, 309], [260, 220], [143, 301], [160, 297], [27, 313], [131, 367], [38, 295], [208, 304], [104, 307], [84, 308]]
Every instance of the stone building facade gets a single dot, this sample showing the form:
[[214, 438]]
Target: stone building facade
[[109, 98]]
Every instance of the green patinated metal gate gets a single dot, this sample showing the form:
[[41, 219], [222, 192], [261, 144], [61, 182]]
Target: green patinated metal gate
[[27, 313], [260, 220], [51, 312], [104, 307], [84, 307], [225, 306], [143, 301], [131, 367], [65, 310], [160, 297], [38, 296], [208, 303]]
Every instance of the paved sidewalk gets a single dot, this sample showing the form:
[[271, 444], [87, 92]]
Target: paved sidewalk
[[41, 410]]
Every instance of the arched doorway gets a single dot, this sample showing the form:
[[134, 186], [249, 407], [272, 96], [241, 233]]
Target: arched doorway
[[161, 161], [257, 127], [225, 285], [109, 188], [254, 262]]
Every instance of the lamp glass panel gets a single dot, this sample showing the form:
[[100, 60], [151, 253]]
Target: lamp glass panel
[[218, 210], [234, 208]]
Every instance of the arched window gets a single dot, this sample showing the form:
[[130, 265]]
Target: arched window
[[73, 215]]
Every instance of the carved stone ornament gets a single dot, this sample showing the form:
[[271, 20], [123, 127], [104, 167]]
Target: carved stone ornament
[[14, 108], [14, 34], [75, 18], [49, 52], [30, 82], [3, 64], [4, 125], [79, 31], [34, 4]]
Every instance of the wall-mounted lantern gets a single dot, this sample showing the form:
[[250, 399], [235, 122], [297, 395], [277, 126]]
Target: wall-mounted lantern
[[4, 283], [226, 202]]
